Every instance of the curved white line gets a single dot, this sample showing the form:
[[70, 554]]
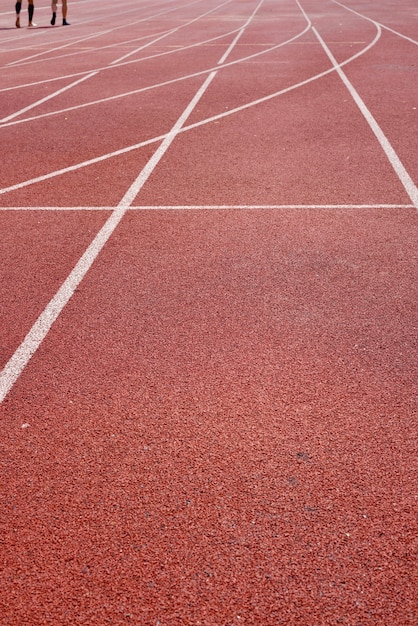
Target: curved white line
[[399, 168], [369, 19], [108, 67], [94, 73], [41, 32], [72, 41], [157, 85], [170, 32], [14, 367], [148, 142], [123, 64]]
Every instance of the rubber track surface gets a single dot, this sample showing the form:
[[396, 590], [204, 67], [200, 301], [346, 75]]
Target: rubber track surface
[[208, 314]]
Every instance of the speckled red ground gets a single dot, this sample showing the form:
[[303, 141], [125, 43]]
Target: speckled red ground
[[220, 427]]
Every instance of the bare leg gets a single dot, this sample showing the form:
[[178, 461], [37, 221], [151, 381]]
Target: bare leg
[[54, 11], [64, 13], [18, 7], [31, 10]]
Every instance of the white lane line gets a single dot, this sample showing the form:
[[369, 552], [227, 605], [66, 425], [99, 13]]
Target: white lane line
[[43, 100], [394, 160], [369, 19], [73, 168], [170, 32], [200, 73], [133, 61], [7, 121], [95, 72], [133, 191], [107, 67], [210, 207], [72, 42], [29, 59], [163, 84], [16, 364], [208, 120], [41, 327]]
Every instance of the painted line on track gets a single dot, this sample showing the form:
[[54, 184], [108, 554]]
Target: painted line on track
[[203, 122], [170, 32], [43, 100], [369, 19], [29, 60], [156, 85], [95, 72], [407, 182], [211, 207], [17, 363], [43, 324], [73, 40]]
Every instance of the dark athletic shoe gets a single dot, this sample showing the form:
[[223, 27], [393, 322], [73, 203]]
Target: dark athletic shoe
[[54, 15], [65, 23]]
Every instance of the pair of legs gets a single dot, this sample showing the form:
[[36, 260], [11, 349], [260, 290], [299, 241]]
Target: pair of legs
[[31, 9], [64, 12]]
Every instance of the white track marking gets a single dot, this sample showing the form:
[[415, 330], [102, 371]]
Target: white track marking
[[73, 168], [94, 73], [206, 71], [16, 364], [38, 32], [133, 191], [209, 120], [170, 32], [41, 327], [91, 74], [73, 42], [107, 67], [165, 83], [369, 19], [28, 60], [210, 207], [273, 207], [43, 100], [394, 160]]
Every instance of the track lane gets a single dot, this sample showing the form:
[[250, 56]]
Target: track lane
[[234, 440], [220, 427]]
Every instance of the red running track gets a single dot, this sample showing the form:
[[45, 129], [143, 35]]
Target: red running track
[[208, 326]]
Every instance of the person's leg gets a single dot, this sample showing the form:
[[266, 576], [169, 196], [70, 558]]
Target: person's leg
[[18, 6], [31, 10], [54, 11], [64, 13]]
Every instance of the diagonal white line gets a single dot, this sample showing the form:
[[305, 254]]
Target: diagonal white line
[[73, 42], [206, 207], [394, 160], [43, 100], [203, 122], [170, 32], [41, 327], [369, 19], [86, 77]]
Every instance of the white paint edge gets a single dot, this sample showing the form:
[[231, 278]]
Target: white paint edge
[[209, 207], [407, 182], [17, 363]]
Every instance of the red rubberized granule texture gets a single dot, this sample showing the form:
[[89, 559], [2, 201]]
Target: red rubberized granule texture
[[219, 429]]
